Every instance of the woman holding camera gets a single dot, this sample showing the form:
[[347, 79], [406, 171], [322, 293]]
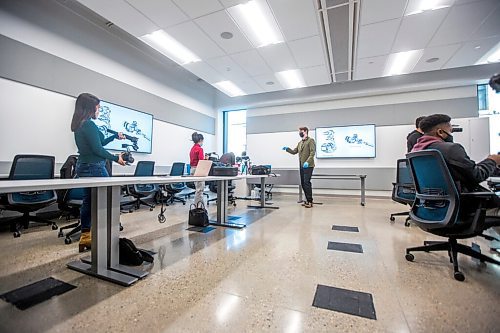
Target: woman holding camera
[[195, 155], [92, 160]]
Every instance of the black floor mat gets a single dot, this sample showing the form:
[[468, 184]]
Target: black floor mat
[[201, 229], [346, 301], [345, 228], [347, 247], [37, 292]]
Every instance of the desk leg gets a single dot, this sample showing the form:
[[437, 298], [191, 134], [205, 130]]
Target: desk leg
[[262, 196], [100, 243], [222, 186], [362, 190]]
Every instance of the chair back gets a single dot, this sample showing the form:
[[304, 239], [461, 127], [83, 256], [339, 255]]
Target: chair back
[[404, 188], [437, 201], [177, 169], [144, 169], [26, 167]]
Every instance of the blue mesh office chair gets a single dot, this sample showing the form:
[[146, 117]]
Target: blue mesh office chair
[[141, 191], [28, 167], [175, 188], [440, 210], [403, 190]]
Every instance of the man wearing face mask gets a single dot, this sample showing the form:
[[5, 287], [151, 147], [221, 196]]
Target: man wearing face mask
[[466, 173], [306, 148]]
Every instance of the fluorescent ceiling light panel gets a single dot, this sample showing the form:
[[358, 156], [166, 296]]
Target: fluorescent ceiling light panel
[[229, 88], [402, 62], [291, 79], [257, 22], [420, 6], [164, 43], [491, 56]]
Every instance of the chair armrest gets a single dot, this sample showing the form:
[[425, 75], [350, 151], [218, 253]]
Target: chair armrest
[[482, 195]]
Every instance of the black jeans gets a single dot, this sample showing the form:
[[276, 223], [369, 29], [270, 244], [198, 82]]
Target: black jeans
[[305, 182]]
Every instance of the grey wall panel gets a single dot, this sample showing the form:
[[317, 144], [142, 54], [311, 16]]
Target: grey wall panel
[[380, 115], [376, 178], [23, 63]]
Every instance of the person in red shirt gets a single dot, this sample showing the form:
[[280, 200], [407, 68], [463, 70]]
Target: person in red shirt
[[195, 155]]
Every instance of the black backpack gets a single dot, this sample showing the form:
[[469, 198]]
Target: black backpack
[[130, 255]]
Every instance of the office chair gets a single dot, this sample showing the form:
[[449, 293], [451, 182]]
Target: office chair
[[403, 190], [175, 188], [141, 191], [440, 210], [231, 199], [28, 167]]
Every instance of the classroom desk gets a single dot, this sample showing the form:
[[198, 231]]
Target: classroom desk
[[106, 217], [262, 190]]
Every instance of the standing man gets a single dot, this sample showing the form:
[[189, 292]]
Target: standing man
[[306, 148], [412, 138]]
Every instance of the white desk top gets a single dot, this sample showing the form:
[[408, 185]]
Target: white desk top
[[494, 179], [9, 186]]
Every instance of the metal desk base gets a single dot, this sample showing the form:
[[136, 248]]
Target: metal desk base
[[262, 196], [121, 269], [108, 275]]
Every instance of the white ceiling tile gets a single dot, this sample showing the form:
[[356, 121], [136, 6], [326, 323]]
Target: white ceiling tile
[[278, 57], [231, 3], [296, 18], [164, 13], [491, 27], [381, 10], [227, 68], [368, 68], [315, 76], [192, 37], [204, 71], [197, 8], [469, 55], [462, 21], [376, 39], [122, 15], [417, 30], [251, 62], [249, 86], [308, 52], [265, 81], [443, 53], [216, 23]]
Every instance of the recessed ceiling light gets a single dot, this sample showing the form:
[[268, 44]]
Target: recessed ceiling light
[[420, 6], [477, 47], [269, 83], [402, 62], [170, 47], [370, 62], [431, 60], [257, 22], [291, 79], [226, 35], [229, 88]]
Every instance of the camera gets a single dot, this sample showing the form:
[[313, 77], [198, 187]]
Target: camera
[[127, 156]]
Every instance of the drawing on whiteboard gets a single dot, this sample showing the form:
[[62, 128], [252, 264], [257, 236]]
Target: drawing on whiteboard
[[354, 139], [330, 146]]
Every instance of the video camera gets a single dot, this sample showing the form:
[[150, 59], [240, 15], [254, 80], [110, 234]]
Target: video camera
[[127, 156]]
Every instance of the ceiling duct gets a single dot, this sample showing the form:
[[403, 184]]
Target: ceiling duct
[[340, 28]]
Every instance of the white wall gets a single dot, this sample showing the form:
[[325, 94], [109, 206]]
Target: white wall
[[37, 121]]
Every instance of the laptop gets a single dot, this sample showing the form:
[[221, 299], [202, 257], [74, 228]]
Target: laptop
[[203, 168]]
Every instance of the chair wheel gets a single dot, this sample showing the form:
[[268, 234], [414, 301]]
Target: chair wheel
[[121, 227], [55, 227], [67, 241], [161, 218], [407, 223], [392, 218], [459, 276], [184, 204], [151, 209], [60, 234], [234, 204], [17, 234], [409, 257]]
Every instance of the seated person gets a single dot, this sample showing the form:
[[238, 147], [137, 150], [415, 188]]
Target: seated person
[[416, 134], [466, 173]]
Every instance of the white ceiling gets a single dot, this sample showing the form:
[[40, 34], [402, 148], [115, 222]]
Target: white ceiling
[[458, 36]]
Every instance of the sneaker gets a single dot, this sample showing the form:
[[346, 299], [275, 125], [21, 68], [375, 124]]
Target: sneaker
[[308, 205]]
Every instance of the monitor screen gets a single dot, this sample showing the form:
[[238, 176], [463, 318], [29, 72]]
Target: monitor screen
[[345, 141], [131, 122]]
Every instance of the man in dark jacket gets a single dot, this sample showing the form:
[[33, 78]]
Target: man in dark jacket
[[416, 134], [466, 173]]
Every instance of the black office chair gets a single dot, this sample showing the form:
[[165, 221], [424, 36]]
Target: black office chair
[[71, 203], [29, 167], [440, 210], [175, 188], [142, 191], [403, 190], [231, 199]]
